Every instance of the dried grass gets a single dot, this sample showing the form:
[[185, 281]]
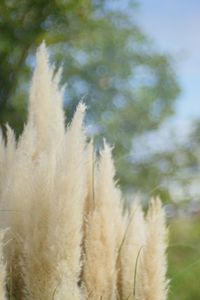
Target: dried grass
[[69, 237]]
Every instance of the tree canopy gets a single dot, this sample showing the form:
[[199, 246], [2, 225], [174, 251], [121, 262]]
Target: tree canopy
[[129, 86]]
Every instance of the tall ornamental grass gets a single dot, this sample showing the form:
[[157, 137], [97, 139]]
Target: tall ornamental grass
[[65, 234]]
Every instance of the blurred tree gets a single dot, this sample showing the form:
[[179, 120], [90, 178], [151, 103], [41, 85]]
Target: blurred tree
[[23, 25], [129, 87]]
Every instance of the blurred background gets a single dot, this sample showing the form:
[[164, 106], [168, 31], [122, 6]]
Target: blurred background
[[136, 65]]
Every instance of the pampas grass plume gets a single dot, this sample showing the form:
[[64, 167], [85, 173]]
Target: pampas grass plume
[[53, 249], [102, 240], [155, 284], [2, 269], [130, 256], [68, 235]]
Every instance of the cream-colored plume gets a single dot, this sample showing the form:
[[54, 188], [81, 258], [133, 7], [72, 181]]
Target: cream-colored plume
[[55, 218], [103, 234], [2, 161], [131, 252], [46, 102], [91, 175], [2, 269], [154, 282], [67, 237]]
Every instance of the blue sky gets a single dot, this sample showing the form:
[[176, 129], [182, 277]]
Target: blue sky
[[174, 25]]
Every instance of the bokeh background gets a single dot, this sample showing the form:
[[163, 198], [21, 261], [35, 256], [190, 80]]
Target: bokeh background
[[136, 64]]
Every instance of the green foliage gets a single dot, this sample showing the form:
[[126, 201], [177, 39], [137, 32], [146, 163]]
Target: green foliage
[[23, 25], [184, 252], [129, 87]]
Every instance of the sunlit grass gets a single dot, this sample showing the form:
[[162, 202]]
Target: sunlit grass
[[184, 259]]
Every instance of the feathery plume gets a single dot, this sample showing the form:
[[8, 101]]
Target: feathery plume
[[2, 269], [91, 175], [10, 147], [45, 103], [55, 218], [134, 242], [68, 237], [67, 234], [155, 284], [2, 161], [10, 204], [101, 241]]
